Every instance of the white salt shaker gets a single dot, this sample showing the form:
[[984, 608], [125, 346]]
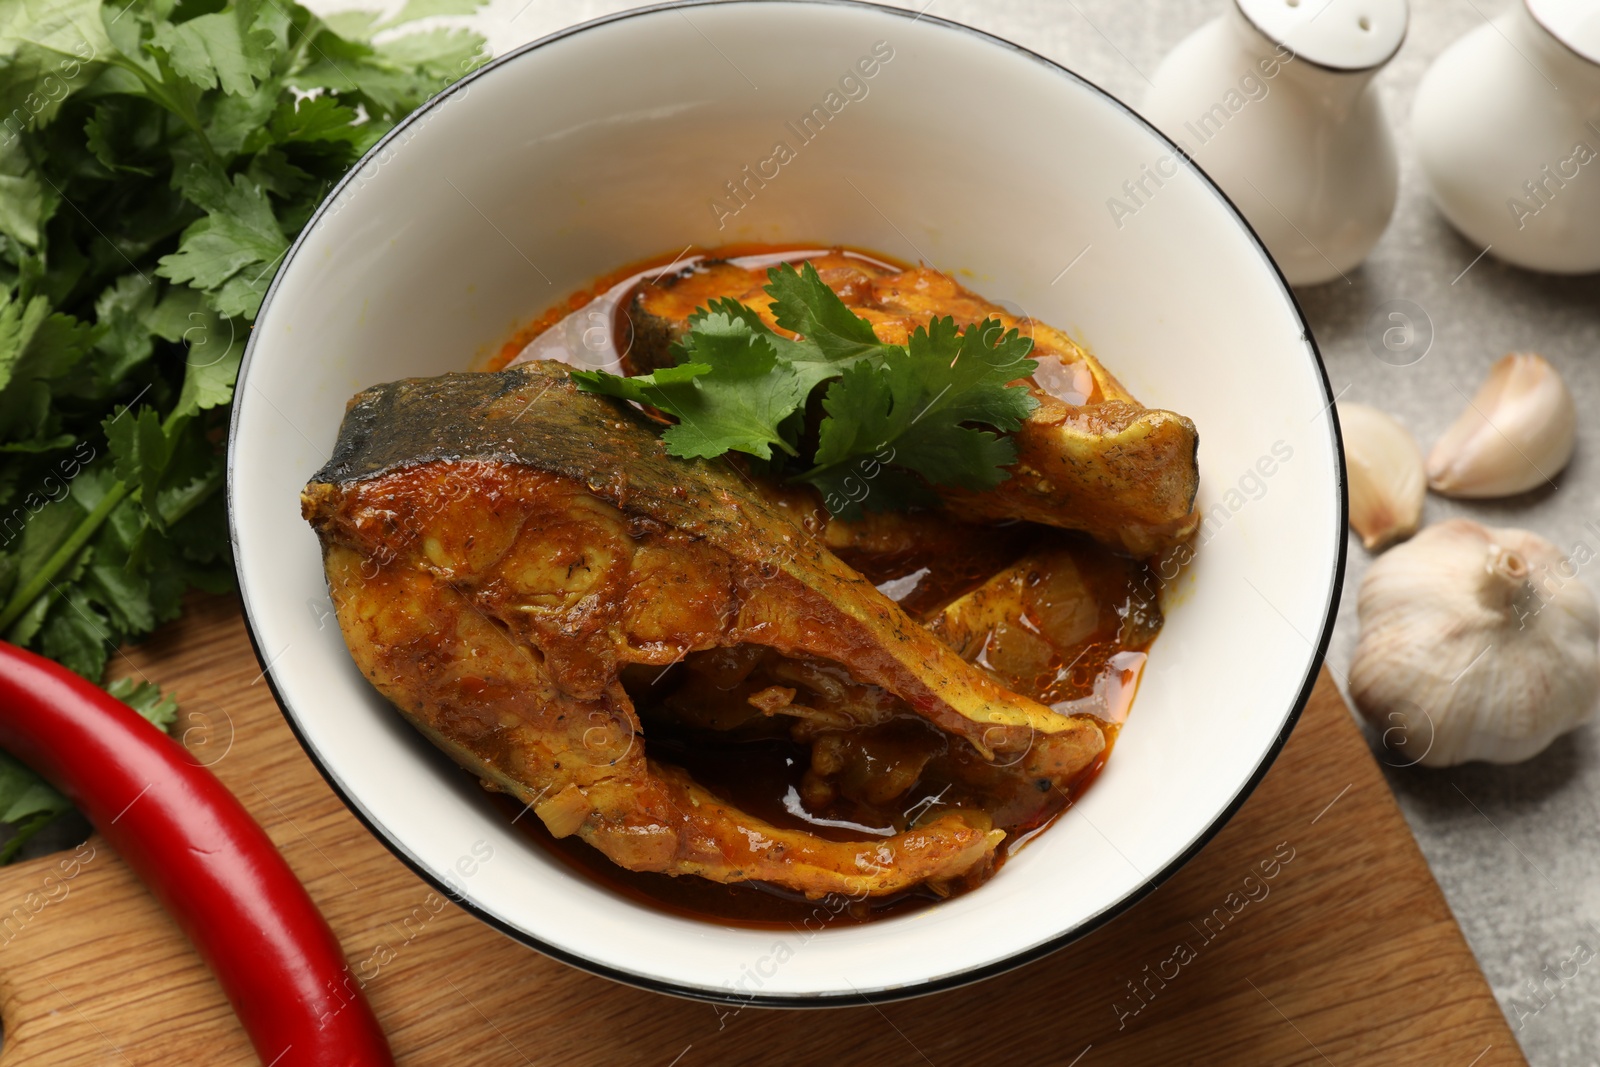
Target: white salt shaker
[[1507, 125], [1275, 101]]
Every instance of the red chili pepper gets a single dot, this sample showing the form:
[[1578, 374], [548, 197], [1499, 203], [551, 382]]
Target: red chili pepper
[[208, 862]]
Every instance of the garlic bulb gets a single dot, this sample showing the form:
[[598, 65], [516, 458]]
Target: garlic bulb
[[1387, 483], [1515, 434], [1476, 643]]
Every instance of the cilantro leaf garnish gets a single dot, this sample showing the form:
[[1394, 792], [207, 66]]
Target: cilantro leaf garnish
[[898, 419], [802, 302], [736, 384], [924, 411]]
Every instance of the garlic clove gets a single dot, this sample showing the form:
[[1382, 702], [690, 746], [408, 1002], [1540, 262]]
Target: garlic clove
[[1476, 644], [1518, 432], [1385, 471]]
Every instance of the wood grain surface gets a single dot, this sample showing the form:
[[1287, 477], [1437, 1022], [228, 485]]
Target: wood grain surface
[[1308, 932]]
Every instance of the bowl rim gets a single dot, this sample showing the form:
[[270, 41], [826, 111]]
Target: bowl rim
[[855, 998]]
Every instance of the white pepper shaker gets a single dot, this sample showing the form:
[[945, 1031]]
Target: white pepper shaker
[[1507, 125], [1275, 101]]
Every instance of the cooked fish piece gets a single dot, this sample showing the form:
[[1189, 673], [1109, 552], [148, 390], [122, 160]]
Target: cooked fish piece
[[500, 547], [485, 697], [1050, 622], [1090, 457]]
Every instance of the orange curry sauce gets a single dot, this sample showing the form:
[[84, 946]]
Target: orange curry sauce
[[1087, 616]]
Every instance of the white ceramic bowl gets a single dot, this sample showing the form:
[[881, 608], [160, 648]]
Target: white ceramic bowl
[[608, 143]]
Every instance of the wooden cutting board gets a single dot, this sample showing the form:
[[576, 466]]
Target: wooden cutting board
[[1346, 954]]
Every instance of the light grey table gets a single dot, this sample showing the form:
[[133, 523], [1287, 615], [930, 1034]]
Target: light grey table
[[1513, 847]]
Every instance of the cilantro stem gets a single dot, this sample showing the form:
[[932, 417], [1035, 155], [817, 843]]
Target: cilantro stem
[[70, 548], [821, 468], [33, 587]]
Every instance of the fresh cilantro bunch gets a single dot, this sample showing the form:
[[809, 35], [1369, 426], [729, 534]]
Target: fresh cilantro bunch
[[157, 157], [896, 419]]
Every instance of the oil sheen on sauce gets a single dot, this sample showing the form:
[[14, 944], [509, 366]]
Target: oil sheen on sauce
[[1075, 622]]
